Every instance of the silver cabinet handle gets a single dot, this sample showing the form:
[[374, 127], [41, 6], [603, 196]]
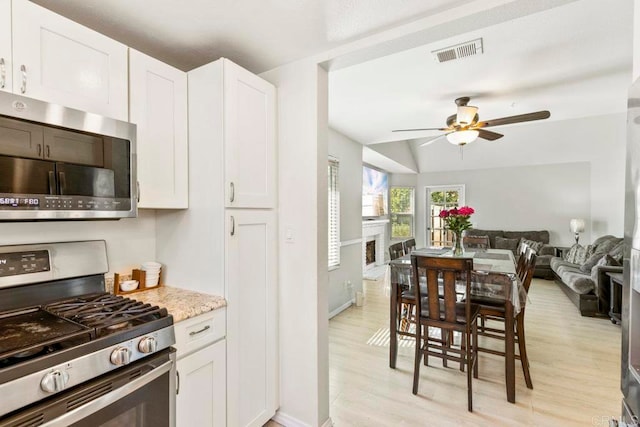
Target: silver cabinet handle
[[39, 147], [233, 226], [23, 70], [3, 74], [48, 151], [200, 331], [177, 382], [232, 192], [138, 191]]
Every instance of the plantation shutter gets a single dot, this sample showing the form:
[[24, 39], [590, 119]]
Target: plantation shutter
[[334, 215]]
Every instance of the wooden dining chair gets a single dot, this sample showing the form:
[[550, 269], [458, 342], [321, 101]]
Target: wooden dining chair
[[407, 296], [494, 309], [442, 310], [409, 245], [475, 242]]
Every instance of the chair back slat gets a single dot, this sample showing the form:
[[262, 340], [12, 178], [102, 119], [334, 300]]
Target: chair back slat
[[529, 269], [450, 297], [432, 289]]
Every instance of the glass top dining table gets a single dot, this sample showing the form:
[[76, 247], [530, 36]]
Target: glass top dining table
[[494, 277]]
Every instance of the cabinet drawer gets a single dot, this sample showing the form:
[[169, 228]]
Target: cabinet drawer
[[200, 331]]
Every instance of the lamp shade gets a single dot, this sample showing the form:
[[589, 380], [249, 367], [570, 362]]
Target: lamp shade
[[462, 137], [577, 225]]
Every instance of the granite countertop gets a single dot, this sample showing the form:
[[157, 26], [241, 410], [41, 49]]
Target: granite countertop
[[180, 303]]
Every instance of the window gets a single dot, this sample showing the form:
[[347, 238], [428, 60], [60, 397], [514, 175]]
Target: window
[[402, 212], [334, 215]]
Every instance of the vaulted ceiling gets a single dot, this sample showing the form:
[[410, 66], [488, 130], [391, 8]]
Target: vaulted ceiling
[[574, 60]]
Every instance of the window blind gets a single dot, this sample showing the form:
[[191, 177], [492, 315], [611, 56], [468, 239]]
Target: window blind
[[334, 215]]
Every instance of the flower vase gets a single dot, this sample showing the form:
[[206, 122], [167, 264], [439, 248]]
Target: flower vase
[[457, 244]]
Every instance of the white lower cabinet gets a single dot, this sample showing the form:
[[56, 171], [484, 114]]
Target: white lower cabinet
[[201, 370], [201, 388]]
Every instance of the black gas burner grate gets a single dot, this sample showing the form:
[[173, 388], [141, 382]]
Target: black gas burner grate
[[106, 313]]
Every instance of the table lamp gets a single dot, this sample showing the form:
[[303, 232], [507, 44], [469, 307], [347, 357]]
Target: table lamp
[[577, 226]]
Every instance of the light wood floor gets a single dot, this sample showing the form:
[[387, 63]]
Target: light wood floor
[[575, 367]]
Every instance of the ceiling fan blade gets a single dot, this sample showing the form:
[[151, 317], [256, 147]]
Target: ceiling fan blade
[[538, 115], [414, 130], [488, 135], [432, 140]]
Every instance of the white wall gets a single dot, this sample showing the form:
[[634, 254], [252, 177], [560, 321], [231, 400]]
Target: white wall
[[303, 267], [540, 197], [129, 241], [349, 154], [599, 141]]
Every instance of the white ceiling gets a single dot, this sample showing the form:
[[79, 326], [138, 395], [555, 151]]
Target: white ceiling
[[574, 60], [257, 34]]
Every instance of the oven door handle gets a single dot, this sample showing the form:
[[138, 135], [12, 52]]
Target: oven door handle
[[102, 402]]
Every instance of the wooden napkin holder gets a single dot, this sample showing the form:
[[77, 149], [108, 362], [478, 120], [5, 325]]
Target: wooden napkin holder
[[140, 276]]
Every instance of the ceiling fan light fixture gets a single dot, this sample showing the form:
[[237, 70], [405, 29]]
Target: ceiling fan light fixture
[[466, 114], [462, 137]]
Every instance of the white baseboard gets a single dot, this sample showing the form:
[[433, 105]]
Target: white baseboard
[[289, 421], [342, 308]]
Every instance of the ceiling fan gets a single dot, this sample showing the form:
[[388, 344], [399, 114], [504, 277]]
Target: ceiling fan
[[465, 126]]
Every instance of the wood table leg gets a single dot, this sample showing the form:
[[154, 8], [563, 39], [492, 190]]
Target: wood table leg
[[509, 351], [393, 319]]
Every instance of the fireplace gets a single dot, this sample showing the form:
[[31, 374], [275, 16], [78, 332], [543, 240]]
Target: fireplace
[[370, 252], [373, 243]]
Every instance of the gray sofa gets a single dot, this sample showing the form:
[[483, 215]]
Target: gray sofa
[[582, 273], [500, 239]]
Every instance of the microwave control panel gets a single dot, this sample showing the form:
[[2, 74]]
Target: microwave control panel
[[64, 203]]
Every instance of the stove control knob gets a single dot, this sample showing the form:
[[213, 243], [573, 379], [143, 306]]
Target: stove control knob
[[120, 356], [54, 381], [148, 345]]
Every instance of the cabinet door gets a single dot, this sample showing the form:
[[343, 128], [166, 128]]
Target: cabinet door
[[201, 389], [249, 135], [252, 368], [60, 61], [158, 106], [5, 46]]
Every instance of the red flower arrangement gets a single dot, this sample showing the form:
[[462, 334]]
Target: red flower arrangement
[[457, 219]]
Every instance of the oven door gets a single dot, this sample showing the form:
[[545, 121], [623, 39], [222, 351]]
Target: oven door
[[141, 394]]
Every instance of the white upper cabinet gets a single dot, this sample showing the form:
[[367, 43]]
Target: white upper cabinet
[[249, 139], [158, 106], [5, 46], [60, 61]]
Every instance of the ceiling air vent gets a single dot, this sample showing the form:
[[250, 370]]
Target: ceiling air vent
[[462, 50]]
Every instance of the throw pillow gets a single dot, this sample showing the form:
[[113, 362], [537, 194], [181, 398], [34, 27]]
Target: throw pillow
[[504, 243], [606, 245], [617, 252], [590, 262], [576, 252], [532, 244]]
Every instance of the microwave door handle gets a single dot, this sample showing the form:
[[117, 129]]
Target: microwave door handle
[[63, 183], [52, 182]]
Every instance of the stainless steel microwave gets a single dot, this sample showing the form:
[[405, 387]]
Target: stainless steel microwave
[[58, 163]]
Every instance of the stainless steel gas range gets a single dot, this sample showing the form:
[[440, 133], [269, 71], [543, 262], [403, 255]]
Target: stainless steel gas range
[[72, 354]]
